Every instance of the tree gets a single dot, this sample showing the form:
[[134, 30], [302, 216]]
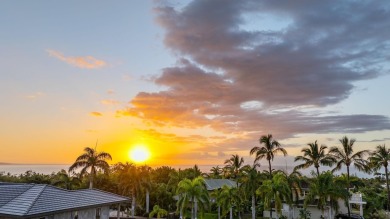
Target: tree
[[158, 211], [193, 191], [345, 156], [216, 172], [268, 151], [277, 190], [227, 198], [250, 182], [146, 185], [215, 195], [130, 182], [66, 181], [314, 156], [91, 161], [378, 159], [324, 188], [294, 180], [234, 165]]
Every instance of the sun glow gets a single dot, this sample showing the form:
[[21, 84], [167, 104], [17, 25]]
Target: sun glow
[[139, 153]]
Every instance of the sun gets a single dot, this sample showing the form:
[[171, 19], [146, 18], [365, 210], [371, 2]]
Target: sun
[[139, 153]]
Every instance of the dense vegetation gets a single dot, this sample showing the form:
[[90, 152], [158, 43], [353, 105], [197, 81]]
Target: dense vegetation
[[170, 190]]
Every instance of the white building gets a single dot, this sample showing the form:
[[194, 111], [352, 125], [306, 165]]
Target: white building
[[36, 201]]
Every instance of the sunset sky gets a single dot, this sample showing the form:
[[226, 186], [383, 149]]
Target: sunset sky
[[195, 81]]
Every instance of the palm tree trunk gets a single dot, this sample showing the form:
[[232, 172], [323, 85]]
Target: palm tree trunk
[[192, 209], [270, 169], [219, 212], [196, 209], [91, 178], [147, 201], [348, 186], [253, 206], [388, 190], [231, 212], [133, 206], [318, 171]]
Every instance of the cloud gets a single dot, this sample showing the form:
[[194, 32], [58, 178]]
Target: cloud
[[376, 140], [313, 61], [196, 98], [88, 62], [110, 102], [249, 68], [35, 95], [97, 114]]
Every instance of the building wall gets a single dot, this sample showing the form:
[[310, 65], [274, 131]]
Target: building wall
[[105, 212], [65, 215], [82, 214]]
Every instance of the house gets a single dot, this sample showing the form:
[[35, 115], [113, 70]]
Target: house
[[292, 211], [38, 201]]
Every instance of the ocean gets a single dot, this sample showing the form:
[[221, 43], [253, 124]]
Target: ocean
[[16, 169]]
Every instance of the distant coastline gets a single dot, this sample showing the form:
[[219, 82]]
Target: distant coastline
[[1, 163]]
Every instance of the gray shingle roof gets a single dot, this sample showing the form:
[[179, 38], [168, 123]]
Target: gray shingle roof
[[212, 184], [26, 200]]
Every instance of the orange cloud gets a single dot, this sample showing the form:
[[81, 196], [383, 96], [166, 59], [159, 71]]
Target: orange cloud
[[88, 62], [109, 102], [35, 95], [95, 114]]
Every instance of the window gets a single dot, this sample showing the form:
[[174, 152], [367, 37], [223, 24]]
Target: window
[[76, 215]]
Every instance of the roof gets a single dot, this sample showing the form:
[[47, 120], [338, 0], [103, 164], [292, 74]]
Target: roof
[[213, 184], [27, 200]]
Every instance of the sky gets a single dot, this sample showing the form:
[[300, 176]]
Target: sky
[[195, 81]]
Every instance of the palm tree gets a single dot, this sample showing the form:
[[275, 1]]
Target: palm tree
[[324, 188], [158, 211], [91, 160], [66, 181], [234, 165], [250, 182], [294, 180], [314, 156], [227, 198], [193, 191], [378, 159], [276, 189], [215, 172], [130, 182], [216, 195], [345, 156], [268, 151], [146, 184]]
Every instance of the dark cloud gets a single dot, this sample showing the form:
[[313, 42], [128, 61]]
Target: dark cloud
[[377, 140], [250, 80], [313, 61]]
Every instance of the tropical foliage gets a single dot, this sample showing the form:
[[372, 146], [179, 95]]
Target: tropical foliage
[[183, 190], [91, 161], [268, 151], [314, 155], [194, 193]]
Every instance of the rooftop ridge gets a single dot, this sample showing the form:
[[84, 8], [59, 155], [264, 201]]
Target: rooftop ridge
[[36, 198], [20, 197], [16, 196], [93, 189]]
